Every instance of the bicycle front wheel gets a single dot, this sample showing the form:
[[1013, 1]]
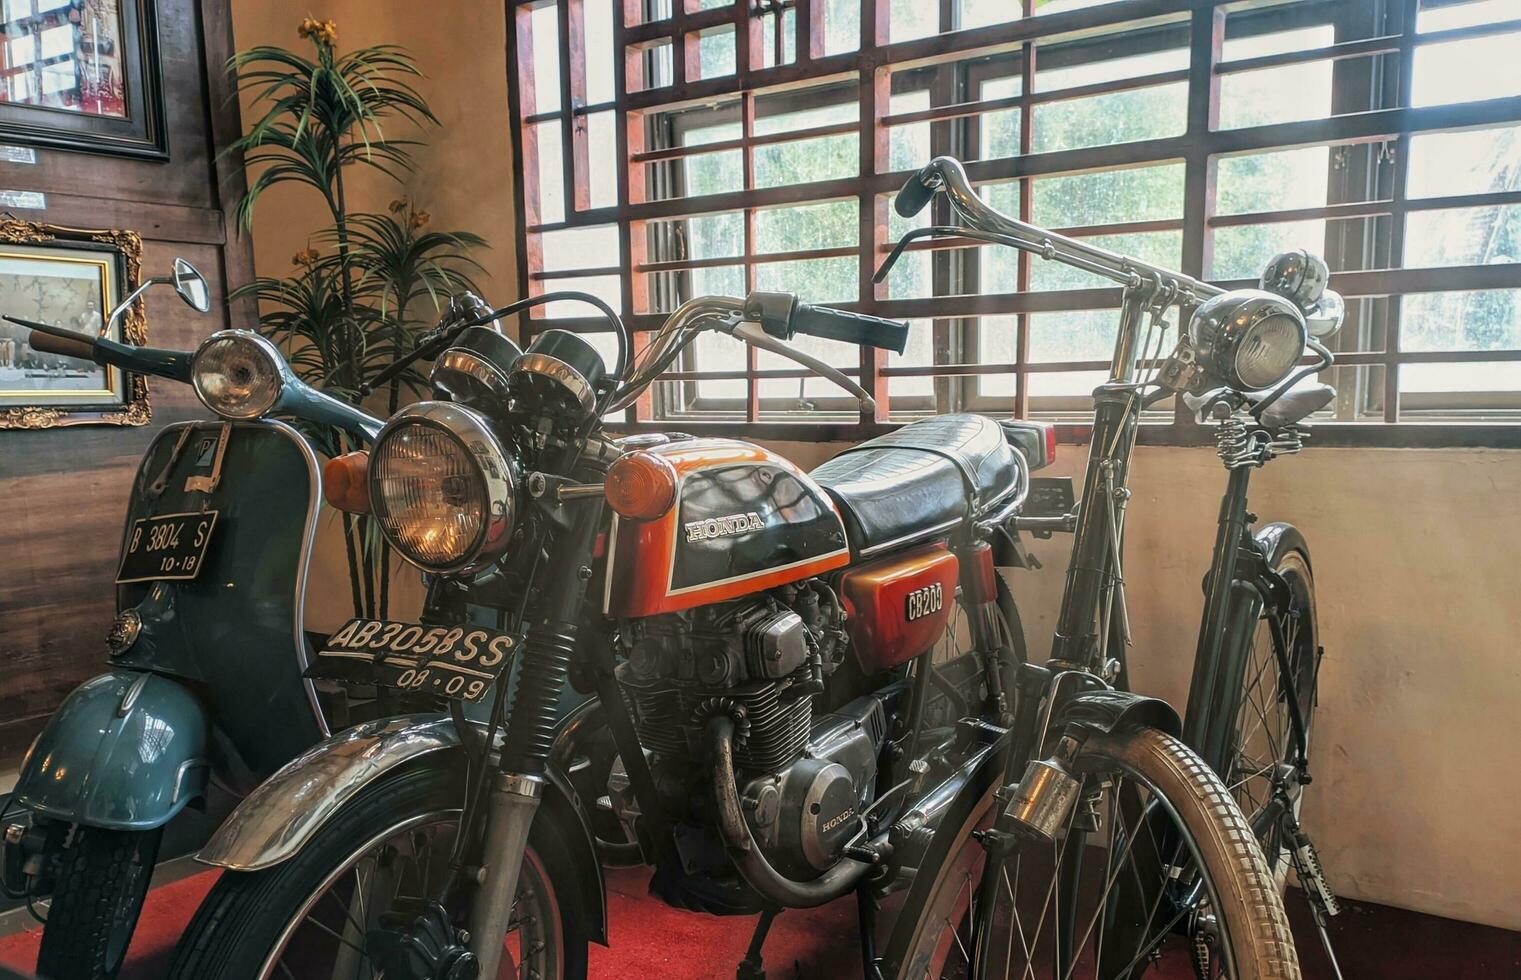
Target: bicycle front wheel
[[1156, 868]]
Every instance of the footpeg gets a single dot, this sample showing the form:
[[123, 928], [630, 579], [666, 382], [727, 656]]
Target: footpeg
[[1040, 802]]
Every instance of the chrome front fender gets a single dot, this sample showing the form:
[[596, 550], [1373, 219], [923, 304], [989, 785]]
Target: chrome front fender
[[289, 807]]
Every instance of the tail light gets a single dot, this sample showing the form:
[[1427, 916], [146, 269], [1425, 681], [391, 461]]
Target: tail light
[[346, 484], [1036, 441]]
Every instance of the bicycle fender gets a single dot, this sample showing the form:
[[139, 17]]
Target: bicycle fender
[[125, 751], [1110, 711], [1278, 539], [277, 819]]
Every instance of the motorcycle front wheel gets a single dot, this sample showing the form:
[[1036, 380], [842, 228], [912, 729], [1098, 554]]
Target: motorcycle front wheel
[[311, 915], [101, 882]]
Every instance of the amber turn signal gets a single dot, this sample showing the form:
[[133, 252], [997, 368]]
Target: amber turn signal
[[346, 482], [641, 486]]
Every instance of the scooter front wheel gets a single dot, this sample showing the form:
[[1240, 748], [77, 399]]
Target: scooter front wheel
[[322, 913], [99, 886]]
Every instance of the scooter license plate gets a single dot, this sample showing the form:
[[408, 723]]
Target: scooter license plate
[[166, 547], [454, 661]]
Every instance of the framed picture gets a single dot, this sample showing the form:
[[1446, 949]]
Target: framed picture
[[82, 75], [69, 277]]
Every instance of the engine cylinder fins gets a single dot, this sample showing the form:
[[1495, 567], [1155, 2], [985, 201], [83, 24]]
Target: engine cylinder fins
[[665, 715]]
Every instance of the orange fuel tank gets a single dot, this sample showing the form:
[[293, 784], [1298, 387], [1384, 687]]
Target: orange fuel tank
[[896, 608]]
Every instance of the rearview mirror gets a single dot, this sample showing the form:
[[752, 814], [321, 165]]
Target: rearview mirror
[[1325, 317], [191, 286]]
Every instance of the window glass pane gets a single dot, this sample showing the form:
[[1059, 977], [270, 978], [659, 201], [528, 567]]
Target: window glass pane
[[908, 146], [986, 13], [1279, 181], [550, 155], [790, 112], [1463, 236], [1446, 16], [545, 25], [813, 280], [919, 352], [908, 19], [650, 65], [1108, 70], [712, 173], [1242, 251], [1109, 196], [1465, 377], [842, 26], [999, 136], [1119, 117], [1472, 162], [1077, 335], [1463, 71], [715, 352], [1482, 320], [828, 225], [719, 280], [802, 161], [579, 248], [602, 158], [715, 54], [1274, 95], [713, 236], [609, 289], [597, 22]]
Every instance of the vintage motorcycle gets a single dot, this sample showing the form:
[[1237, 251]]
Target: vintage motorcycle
[[804, 678], [207, 650]]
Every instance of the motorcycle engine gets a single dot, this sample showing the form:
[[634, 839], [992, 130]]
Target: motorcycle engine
[[803, 782]]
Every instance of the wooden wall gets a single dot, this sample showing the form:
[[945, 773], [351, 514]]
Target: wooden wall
[[63, 493]]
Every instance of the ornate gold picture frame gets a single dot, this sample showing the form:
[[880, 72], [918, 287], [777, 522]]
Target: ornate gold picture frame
[[71, 277]]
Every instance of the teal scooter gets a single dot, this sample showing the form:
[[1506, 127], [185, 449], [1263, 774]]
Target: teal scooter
[[208, 652]]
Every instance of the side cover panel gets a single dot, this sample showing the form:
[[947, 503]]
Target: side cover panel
[[745, 520]]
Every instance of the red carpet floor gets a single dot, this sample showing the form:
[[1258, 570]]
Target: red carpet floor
[[651, 940]]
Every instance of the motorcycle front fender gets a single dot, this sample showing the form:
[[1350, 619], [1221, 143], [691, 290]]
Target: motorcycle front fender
[[125, 751], [286, 810]]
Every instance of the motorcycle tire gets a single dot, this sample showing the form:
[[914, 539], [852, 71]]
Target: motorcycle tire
[[249, 920], [99, 886]]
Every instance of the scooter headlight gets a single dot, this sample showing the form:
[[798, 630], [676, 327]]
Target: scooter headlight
[[443, 488], [1248, 339], [236, 374]]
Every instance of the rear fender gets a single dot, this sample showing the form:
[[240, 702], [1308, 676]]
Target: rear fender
[[125, 751], [286, 810]]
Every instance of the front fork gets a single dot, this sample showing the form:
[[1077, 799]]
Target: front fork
[[517, 788]]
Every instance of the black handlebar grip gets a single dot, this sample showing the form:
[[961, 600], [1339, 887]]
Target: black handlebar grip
[[69, 343], [914, 196], [853, 328]]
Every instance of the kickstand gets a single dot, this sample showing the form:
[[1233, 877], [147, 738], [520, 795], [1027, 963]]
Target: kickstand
[[866, 919], [751, 967]]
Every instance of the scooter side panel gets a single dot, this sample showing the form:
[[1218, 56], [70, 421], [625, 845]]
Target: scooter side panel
[[125, 751], [236, 629]]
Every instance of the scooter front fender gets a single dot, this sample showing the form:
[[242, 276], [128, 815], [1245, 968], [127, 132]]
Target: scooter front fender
[[125, 751]]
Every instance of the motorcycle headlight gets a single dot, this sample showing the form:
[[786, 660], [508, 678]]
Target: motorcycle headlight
[[1248, 339], [236, 374], [442, 488]]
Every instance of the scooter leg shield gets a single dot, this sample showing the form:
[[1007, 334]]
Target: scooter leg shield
[[125, 751]]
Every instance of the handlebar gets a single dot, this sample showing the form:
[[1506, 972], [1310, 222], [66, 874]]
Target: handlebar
[[947, 174], [781, 315], [157, 361]]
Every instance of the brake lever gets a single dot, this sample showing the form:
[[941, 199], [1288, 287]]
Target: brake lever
[[751, 333]]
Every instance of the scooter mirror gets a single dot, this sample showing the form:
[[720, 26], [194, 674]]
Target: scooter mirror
[[1325, 317], [191, 286]]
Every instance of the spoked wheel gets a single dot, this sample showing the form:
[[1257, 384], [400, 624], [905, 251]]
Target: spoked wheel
[[1155, 873], [1261, 775], [315, 915]]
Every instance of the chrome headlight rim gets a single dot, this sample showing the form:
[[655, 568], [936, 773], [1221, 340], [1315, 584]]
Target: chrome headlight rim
[[266, 349], [494, 468], [1221, 325]]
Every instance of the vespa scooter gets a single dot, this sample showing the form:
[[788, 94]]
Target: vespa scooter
[[207, 651]]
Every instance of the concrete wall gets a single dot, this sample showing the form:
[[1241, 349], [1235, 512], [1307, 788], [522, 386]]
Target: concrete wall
[[1417, 734], [464, 175]]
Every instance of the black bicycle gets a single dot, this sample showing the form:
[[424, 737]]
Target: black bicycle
[[1088, 864]]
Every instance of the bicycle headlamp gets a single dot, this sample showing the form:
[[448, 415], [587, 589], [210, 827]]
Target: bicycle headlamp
[[237, 374], [1248, 339], [443, 488]]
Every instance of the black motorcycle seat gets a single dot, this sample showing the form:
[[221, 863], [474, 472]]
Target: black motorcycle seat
[[918, 482]]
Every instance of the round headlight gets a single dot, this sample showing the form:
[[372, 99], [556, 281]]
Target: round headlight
[[442, 488], [1248, 339], [236, 373]]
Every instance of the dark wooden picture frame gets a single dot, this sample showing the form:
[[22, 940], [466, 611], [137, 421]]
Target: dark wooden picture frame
[[123, 398], [141, 133]]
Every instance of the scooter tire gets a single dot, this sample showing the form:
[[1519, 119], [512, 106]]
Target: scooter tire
[[99, 886]]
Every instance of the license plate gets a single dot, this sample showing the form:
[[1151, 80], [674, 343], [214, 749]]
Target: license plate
[[168, 547], [454, 661]]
